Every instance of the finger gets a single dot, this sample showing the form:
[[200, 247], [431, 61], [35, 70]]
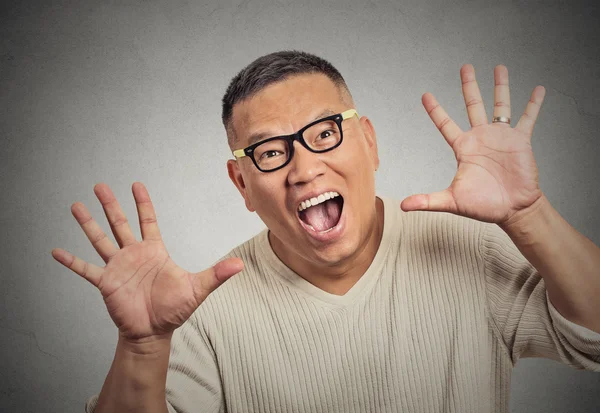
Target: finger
[[527, 121], [472, 95], [442, 201], [146, 213], [501, 92], [449, 129], [207, 281], [101, 243], [90, 272], [116, 218]]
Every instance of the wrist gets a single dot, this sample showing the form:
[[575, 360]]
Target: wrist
[[529, 223], [155, 345], [137, 378]]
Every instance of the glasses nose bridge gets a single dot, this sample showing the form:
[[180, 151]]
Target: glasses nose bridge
[[300, 139], [298, 136]]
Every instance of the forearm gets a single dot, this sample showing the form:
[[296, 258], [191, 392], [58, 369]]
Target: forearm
[[137, 378], [568, 261]]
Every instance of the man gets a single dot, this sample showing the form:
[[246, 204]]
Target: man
[[346, 303]]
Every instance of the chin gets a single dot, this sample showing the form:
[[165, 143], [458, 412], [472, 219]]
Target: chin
[[332, 254]]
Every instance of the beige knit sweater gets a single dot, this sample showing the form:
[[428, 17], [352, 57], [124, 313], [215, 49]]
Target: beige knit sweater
[[436, 323]]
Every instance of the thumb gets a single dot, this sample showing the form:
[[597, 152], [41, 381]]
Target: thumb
[[205, 282], [441, 201]]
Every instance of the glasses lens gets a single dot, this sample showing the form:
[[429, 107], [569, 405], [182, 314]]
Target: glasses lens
[[271, 154], [323, 135]]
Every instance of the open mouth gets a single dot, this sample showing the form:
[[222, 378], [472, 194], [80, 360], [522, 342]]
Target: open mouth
[[322, 214]]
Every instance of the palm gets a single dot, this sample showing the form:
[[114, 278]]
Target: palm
[[145, 292], [496, 174]]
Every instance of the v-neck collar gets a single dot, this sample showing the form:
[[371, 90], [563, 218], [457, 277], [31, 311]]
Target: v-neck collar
[[359, 289]]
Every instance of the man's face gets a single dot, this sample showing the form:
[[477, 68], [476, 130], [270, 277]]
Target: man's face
[[282, 109]]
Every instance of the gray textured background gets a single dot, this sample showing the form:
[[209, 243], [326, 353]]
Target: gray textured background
[[130, 90]]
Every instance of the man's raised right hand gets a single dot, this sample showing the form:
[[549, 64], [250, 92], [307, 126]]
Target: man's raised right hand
[[147, 295]]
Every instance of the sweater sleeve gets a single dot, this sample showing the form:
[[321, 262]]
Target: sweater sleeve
[[522, 315], [193, 379]]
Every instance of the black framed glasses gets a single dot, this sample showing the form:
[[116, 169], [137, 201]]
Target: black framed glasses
[[319, 136]]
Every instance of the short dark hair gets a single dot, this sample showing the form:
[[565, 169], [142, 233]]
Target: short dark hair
[[269, 69]]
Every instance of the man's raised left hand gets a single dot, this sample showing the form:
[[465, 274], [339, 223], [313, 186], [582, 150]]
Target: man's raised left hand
[[497, 176]]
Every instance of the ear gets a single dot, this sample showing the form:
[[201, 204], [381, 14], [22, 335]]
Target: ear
[[236, 177], [371, 138]]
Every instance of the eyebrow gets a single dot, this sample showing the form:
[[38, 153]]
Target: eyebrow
[[257, 137]]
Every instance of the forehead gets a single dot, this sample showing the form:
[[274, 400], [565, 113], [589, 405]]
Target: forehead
[[286, 106]]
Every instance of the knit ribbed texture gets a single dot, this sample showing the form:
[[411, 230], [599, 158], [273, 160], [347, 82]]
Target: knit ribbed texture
[[436, 323]]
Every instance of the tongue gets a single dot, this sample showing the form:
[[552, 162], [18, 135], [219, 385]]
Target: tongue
[[323, 216]]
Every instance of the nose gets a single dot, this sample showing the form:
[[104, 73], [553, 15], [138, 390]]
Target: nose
[[304, 166]]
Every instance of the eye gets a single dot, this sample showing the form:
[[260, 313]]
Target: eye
[[269, 154], [325, 134]]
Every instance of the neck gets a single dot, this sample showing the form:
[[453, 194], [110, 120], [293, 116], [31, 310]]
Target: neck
[[337, 279]]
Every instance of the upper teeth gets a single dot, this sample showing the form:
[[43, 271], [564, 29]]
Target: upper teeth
[[317, 200]]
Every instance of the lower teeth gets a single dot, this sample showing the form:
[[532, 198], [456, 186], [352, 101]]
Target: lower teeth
[[320, 232]]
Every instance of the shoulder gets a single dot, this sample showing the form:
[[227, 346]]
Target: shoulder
[[249, 286], [460, 239], [425, 229]]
